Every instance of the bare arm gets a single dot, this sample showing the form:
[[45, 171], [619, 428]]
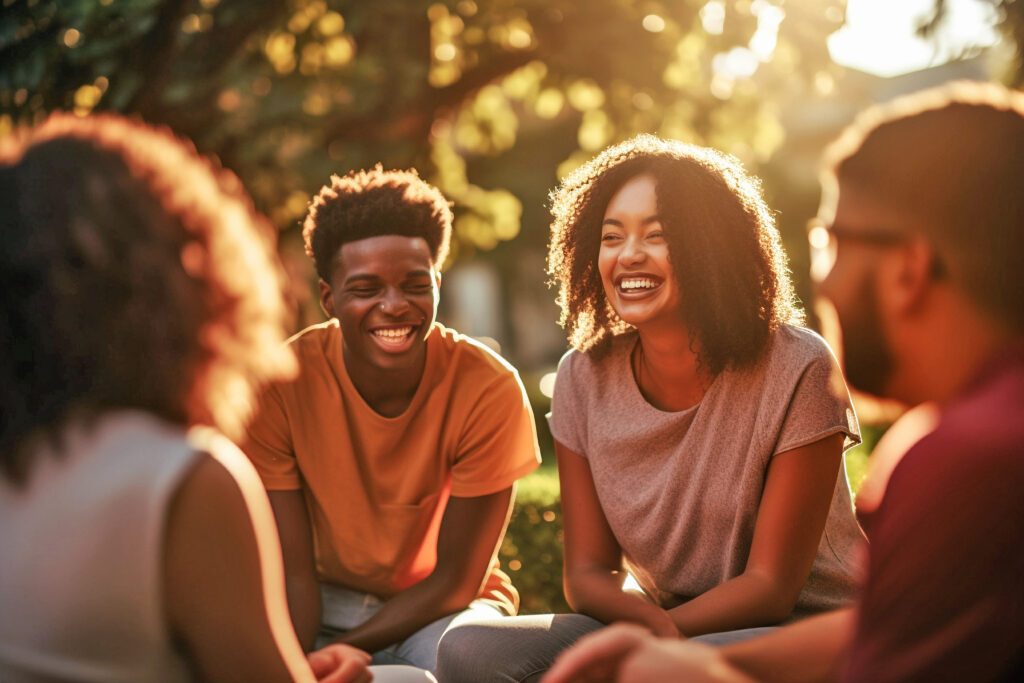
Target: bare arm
[[593, 559], [790, 520], [222, 579], [471, 530], [301, 584]]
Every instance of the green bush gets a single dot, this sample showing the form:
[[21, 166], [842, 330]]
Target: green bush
[[532, 550]]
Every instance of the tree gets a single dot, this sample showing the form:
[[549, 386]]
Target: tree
[[480, 95]]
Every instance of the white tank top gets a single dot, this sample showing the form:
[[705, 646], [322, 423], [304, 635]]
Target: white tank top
[[81, 551]]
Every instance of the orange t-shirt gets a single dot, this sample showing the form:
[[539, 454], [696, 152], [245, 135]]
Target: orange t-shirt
[[377, 487]]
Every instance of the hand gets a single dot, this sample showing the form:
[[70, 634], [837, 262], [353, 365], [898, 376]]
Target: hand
[[339, 663], [596, 658], [662, 659]]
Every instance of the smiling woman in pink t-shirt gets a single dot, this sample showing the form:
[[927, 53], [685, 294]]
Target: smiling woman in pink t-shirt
[[699, 428]]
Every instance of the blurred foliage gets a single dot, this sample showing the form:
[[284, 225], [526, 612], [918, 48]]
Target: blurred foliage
[[1010, 19], [286, 92], [532, 550]]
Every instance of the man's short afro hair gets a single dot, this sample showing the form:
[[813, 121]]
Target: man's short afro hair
[[364, 204]]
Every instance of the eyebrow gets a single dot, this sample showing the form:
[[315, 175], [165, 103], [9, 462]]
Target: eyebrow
[[367, 277], [617, 223]]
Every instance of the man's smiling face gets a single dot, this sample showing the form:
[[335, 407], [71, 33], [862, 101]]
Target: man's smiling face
[[384, 293]]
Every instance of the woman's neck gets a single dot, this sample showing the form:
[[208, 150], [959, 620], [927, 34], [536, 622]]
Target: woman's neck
[[668, 372]]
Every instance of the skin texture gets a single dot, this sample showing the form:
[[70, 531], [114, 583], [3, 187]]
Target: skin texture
[[223, 579], [799, 483], [382, 283], [389, 282]]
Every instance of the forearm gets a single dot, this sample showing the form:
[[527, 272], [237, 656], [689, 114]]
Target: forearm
[[409, 611], [598, 593], [747, 601], [304, 607], [809, 651]]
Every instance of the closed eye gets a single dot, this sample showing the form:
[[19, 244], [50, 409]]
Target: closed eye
[[419, 287]]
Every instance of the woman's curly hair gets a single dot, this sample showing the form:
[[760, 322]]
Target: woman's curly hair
[[376, 202], [136, 275], [723, 244]]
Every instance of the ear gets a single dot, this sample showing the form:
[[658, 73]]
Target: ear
[[326, 299], [911, 276]]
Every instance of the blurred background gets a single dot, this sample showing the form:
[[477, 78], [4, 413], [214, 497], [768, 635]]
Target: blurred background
[[494, 101]]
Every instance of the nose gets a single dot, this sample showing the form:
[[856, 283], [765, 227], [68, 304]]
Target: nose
[[393, 302], [632, 252]]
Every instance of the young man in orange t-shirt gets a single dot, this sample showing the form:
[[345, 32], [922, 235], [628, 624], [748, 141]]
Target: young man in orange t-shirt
[[391, 460]]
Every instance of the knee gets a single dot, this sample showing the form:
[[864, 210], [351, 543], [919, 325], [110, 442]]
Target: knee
[[475, 653]]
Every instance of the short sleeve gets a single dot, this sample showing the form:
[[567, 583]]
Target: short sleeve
[[567, 418], [499, 442], [268, 444], [820, 403]]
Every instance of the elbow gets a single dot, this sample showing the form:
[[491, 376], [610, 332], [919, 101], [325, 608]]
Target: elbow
[[778, 604], [778, 609], [777, 598], [574, 586], [455, 592]]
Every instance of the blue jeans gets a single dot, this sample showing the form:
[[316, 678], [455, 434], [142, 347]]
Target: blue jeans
[[344, 609], [522, 649]]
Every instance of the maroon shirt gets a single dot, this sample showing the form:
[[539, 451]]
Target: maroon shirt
[[944, 595]]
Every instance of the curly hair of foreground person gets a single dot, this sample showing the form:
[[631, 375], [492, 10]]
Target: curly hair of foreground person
[[723, 244], [136, 275], [364, 204]]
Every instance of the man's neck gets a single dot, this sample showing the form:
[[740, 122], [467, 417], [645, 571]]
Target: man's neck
[[387, 392], [943, 356]]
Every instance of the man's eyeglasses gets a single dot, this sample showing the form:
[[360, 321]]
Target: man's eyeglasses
[[824, 240]]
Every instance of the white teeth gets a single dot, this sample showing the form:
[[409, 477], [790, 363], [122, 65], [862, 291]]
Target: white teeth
[[638, 283], [393, 334]]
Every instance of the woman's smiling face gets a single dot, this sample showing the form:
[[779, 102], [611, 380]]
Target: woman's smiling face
[[633, 260]]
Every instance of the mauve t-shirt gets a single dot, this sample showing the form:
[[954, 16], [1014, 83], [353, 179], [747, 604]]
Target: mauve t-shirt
[[681, 490]]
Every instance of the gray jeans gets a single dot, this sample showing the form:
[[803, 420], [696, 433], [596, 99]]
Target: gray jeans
[[344, 609], [522, 649]]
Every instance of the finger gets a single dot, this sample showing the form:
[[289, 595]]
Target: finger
[[322, 662], [349, 671]]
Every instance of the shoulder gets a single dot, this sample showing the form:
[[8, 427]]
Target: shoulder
[[590, 366], [799, 346], [980, 434], [792, 353], [314, 341], [471, 362]]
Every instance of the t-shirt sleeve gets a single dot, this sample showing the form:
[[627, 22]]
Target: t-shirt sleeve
[[499, 442], [567, 418], [943, 599], [820, 404], [268, 444]]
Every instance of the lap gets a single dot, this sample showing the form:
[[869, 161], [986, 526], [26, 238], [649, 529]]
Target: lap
[[345, 609]]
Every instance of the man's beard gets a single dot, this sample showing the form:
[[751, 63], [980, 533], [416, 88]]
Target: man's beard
[[867, 360]]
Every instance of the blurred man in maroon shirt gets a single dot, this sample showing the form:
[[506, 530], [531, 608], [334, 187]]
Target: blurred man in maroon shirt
[[921, 251]]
